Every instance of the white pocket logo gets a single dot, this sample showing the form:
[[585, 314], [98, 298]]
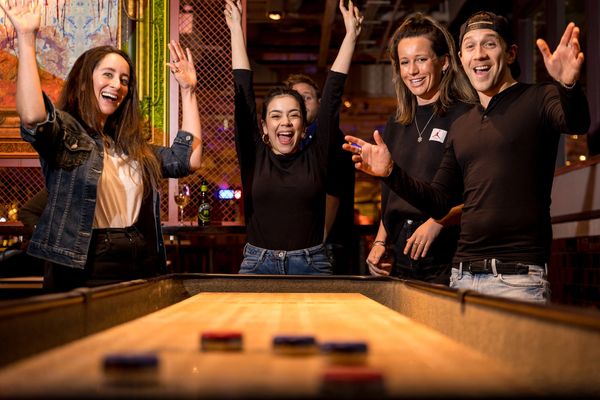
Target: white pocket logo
[[439, 135]]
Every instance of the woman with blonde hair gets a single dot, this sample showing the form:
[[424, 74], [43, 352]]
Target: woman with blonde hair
[[432, 91]]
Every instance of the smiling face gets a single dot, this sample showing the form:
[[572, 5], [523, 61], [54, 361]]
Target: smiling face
[[420, 68], [311, 101], [486, 61], [111, 83], [283, 124]]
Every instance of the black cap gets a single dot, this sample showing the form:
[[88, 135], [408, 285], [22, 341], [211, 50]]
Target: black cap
[[497, 23]]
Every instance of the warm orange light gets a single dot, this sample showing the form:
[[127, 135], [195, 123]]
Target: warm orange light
[[275, 15], [275, 9]]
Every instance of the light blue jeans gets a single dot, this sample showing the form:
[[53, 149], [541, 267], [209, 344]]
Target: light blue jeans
[[310, 261], [533, 287]]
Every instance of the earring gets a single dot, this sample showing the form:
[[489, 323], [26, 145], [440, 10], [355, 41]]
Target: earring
[[265, 138]]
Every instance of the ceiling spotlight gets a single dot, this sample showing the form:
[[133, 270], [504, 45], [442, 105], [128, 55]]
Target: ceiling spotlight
[[275, 10]]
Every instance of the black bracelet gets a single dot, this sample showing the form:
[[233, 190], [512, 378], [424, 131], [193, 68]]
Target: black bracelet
[[568, 87]]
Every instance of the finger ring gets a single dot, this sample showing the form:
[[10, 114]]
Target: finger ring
[[360, 150]]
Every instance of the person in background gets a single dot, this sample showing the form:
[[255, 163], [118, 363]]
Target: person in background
[[285, 185], [501, 159], [101, 223], [339, 211], [15, 261], [432, 91]]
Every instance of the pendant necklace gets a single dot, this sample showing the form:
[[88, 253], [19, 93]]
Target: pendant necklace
[[420, 131]]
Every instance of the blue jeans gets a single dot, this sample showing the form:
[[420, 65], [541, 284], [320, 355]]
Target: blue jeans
[[310, 261], [533, 287]]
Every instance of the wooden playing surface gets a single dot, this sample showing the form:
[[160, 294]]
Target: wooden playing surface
[[415, 360]]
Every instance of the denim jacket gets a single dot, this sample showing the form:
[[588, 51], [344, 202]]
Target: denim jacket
[[72, 160]]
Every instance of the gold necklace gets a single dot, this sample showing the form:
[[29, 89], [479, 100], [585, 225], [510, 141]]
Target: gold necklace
[[420, 131]]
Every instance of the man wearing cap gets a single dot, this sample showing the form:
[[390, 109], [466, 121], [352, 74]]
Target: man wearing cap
[[501, 160]]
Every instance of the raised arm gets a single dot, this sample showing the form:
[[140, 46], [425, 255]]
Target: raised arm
[[233, 17], [571, 113], [26, 18], [353, 22], [182, 67]]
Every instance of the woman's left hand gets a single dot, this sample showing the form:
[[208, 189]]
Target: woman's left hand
[[352, 18], [25, 16], [420, 241], [182, 66]]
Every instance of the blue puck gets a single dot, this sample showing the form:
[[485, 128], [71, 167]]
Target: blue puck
[[345, 347], [293, 340], [130, 361]]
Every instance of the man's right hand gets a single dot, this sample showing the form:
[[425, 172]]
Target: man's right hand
[[374, 159]]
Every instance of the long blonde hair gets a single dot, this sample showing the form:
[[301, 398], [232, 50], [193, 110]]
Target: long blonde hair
[[454, 85]]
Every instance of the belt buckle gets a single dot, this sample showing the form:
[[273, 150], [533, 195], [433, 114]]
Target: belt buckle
[[471, 267], [475, 269]]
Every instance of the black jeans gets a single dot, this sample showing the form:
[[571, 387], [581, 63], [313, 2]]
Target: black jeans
[[115, 255], [436, 266]]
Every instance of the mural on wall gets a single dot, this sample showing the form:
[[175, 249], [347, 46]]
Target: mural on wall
[[69, 27]]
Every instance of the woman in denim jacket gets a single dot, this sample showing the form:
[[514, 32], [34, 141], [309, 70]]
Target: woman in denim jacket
[[101, 223]]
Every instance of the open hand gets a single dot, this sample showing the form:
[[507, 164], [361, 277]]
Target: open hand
[[233, 13], [24, 15], [352, 18], [564, 65], [420, 241], [182, 66], [374, 159]]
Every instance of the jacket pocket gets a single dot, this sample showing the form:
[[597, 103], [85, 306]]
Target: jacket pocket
[[75, 151]]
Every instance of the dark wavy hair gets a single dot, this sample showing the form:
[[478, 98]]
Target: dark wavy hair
[[124, 126], [283, 91], [454, 85]]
